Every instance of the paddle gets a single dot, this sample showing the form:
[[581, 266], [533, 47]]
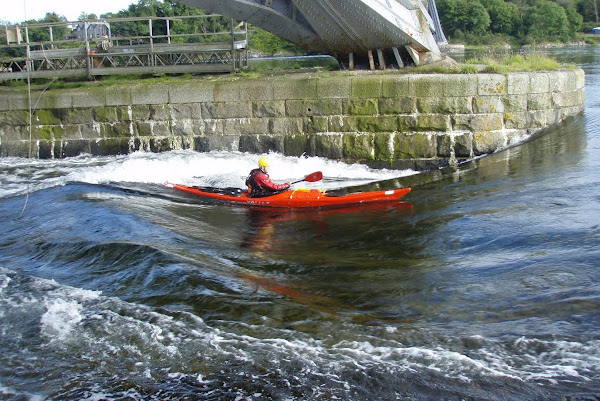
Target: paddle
[[316, 176]]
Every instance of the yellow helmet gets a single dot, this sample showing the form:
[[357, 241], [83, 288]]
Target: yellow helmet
[[263, 161]]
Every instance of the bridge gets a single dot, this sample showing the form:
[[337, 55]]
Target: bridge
[[376, 33], [106, 47]]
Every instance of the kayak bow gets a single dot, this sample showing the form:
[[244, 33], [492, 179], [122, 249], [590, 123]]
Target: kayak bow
[[294, 198]]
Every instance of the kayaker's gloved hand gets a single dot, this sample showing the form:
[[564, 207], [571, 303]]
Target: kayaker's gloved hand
[[287, 185]]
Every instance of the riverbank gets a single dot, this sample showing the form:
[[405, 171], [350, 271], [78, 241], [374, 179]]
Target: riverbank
[[382, 118]]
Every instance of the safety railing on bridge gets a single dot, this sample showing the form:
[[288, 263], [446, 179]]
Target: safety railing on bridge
[[143, 45]]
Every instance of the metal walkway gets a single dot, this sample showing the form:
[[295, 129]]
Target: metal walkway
[[91, 48], [377, 32]]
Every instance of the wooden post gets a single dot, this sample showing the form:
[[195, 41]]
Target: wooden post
[[381, 59], [351, 61], [371, 61], [398, 58]]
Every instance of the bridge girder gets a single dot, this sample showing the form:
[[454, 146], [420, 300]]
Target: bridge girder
[[340, 27]]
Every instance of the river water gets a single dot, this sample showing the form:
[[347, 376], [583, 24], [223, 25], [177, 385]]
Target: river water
[[484, 284]]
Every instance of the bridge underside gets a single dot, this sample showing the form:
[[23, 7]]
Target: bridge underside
[[371, 32]]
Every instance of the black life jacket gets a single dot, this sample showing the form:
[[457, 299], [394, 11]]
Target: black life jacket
[[255, 190]]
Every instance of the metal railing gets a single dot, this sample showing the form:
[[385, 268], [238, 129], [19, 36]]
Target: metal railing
[[142, 45]]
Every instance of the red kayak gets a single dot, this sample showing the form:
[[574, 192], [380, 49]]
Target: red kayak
[[294, 198]]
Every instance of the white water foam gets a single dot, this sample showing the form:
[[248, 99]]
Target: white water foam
[[61, 318], [220, 169]]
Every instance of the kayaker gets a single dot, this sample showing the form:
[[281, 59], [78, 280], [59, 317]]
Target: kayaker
[[258, 181]]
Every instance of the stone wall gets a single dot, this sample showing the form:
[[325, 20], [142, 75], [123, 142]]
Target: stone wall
[[382, 118]]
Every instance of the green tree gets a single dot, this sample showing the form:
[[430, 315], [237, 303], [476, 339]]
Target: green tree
[[548, 21], [505, 17], [463, 16], [589, 10]]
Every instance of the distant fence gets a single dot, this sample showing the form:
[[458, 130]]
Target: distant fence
[[108, 47]]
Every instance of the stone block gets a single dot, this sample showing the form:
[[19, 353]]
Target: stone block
[[245, 126], [52, 100], [518, 83], [226, 142], [189, 92], [156, 94], [227, 92], [536, 119], [463, 144], [71, 132], [105, 114], [186, 111], [412, 146], [257, 90], [366, 86], [45, 149], [140, 112], [271, 143], [214, 127], [342, 124], [395, 87], [515, 103], [338, 87], [46, 117], [383, 146], [515, 120], [286, 126], [18, 101], [184, 127], [226, 110], [9, 133], [201, 144], [71, 148], [579, 79], [539, 82], [567, 99], [268, 108], [553, 117], [329, 146], [492, 84], [89, 131], [407, 123], [250, 144], [298, 145], [295, 88], [403, 105], [160, 112], [118, 96], [76, 116], [90, 97], [358, 147], [14, 118], [361, 107], [488, 141], [461, 85], [120, 130], [445, 105], [111, 146], [488, 104], [539, 101], [16, 149], [427, 85], [313, 107], [478, 122], [376, 123], [433, 122]]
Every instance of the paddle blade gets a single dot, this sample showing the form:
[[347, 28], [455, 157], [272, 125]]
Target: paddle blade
[[316, 176]]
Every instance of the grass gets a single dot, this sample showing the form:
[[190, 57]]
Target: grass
[[517, 63]]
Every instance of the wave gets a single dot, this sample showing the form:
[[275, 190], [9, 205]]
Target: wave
[[222, 169]]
